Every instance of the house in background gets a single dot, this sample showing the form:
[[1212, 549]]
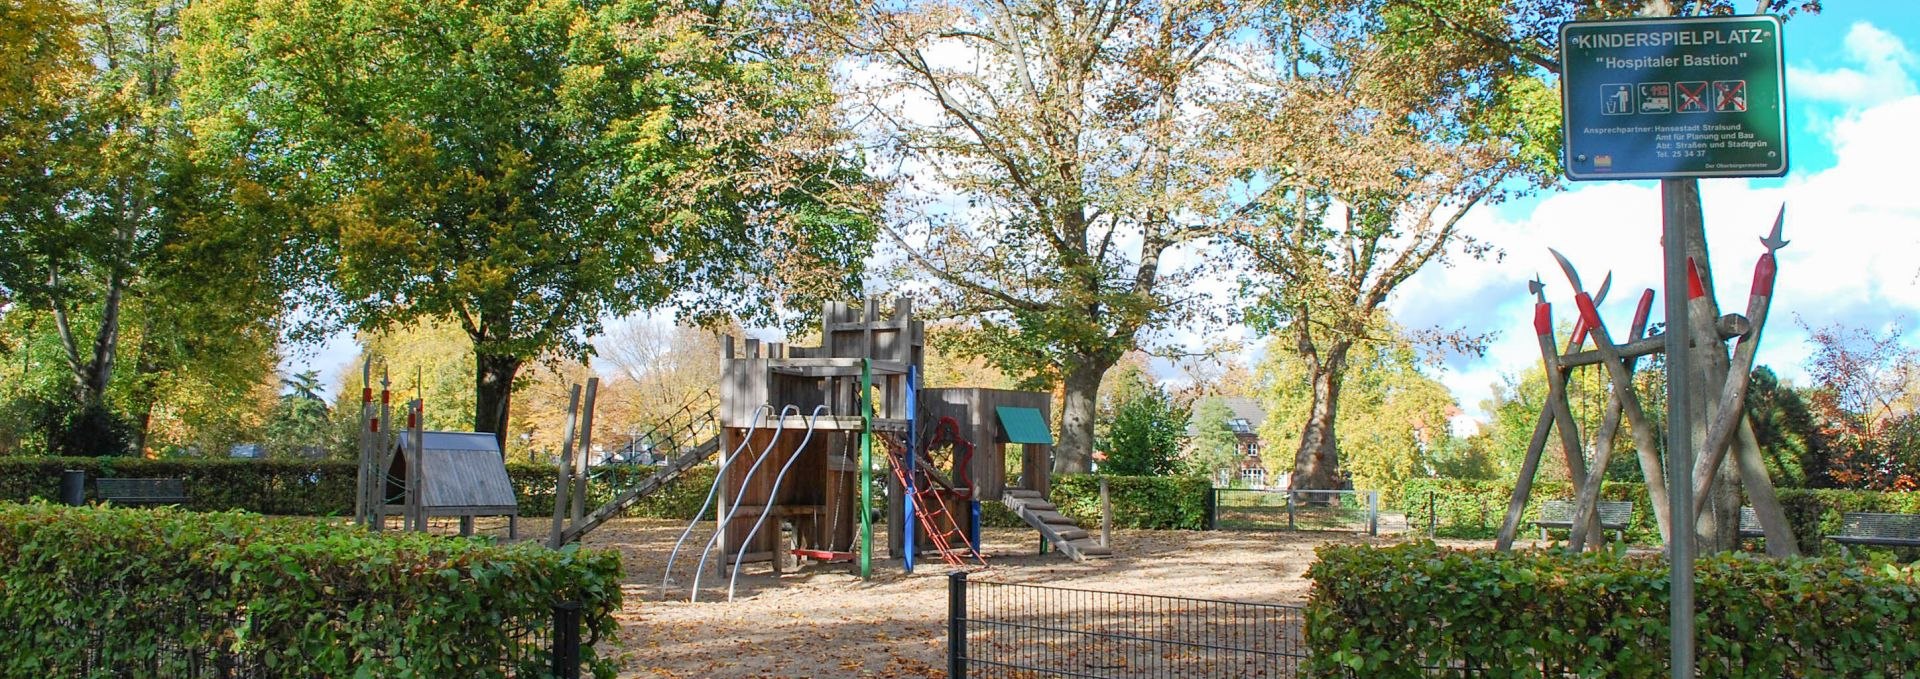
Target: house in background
[[1247, 416]]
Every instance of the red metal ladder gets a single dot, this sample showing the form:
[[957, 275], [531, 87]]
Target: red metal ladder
[[931, 510]]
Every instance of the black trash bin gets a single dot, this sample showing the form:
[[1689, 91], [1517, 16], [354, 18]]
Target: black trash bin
[[73, 487]]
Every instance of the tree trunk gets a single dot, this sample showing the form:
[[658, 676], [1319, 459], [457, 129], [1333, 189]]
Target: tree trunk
[[493, 394], [1074, 454], [92, 428], [1316, 465], [1717, 529], [146, 371]]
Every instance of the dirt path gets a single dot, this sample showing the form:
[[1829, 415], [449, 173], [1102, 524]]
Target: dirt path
[[826, 622]]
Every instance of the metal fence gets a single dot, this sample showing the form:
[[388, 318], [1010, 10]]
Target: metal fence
[[999, 629], [1243, 509], [545, 649]]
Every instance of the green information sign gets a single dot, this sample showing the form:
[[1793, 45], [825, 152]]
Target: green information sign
[[1668, 98]]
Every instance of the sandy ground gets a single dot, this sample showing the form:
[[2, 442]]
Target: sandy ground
[[826, 622]]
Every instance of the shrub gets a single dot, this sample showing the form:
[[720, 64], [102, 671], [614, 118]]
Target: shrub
[[1815, 514], [1474, 509], [1419, 610], [1161, 502], [297, 597], [1157, 502], [325, 487]]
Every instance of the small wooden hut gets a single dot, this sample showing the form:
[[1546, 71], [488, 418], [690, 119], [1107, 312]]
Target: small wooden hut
[[462, 474]]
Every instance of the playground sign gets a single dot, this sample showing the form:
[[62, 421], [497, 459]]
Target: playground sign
[[1673, 98]]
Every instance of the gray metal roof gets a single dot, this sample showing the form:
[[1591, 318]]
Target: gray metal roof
[[1247, 410], [462, 469]]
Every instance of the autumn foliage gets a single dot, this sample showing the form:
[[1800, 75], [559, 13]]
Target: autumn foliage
[[1864, 407]]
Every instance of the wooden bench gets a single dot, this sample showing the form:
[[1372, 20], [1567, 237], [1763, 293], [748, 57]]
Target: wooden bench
[[142, 491], [1614, 516], [1883, 530]]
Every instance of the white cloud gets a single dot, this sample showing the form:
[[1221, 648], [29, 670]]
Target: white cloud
[[1854, 254], [1878, 71]]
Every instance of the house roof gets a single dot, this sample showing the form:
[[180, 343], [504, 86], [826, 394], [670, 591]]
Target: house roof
[[1244, 409]]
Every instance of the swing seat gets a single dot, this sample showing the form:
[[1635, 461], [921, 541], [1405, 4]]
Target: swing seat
[[823, 555]]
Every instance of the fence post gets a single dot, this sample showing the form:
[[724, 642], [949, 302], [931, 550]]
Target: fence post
[[957, 625], [566, 640], [1106, 515], [1373, 512], [1290, 498], [1213, 507], [1433, 520]]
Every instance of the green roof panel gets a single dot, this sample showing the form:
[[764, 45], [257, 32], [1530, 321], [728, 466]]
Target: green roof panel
[[1024, 425]]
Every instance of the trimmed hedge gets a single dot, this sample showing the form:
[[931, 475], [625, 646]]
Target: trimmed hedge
[[1154, 502], [322, 487], [297, 597], [1474, 509], [1419, 610]]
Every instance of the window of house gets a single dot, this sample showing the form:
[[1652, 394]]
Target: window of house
[[1254, 477]]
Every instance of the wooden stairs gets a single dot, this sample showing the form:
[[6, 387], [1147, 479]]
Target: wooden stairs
[[1062, 532], [648, 486]]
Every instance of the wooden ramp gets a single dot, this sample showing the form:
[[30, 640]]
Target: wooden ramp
[[1065, 535], [648, 486]]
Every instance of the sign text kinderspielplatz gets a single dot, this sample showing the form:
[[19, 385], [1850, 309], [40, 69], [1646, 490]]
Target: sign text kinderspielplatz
[[1673, 98]]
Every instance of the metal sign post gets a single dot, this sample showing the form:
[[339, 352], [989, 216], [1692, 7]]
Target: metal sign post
[[1674, 216], [1675, 100]]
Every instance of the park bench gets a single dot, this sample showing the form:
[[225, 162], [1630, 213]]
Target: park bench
[[1614, 516], [142, 491], [1883, 530]]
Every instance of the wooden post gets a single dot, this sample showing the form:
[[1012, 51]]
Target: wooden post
[[1106, 515], [416, 479], [564, 486], [384, 440], [366, 489], [578, 506]]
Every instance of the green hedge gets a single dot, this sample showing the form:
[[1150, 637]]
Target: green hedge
[[1815, 514], [303, 598], [321, 487], [1410, 610], [1155, 502], [1474, 509]]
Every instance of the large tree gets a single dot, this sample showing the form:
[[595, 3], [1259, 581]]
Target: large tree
[[1054, 162], [121, 237], [526, 169], [1395, 421], [1392, 145]]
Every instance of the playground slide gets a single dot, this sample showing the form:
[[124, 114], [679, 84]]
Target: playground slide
[[1059, 530], [660, 478]]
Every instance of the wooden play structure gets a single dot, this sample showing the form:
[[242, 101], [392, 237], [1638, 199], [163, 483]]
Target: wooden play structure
[[994, 420], [419, 475], [1720, 424], [804, 431]]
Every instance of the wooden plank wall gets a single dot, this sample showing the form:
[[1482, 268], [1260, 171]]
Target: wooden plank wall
[[976, 411], [816, 486], [807, 497]]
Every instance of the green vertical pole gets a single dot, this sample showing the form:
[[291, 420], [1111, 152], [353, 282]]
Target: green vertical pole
[[866, 468]]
